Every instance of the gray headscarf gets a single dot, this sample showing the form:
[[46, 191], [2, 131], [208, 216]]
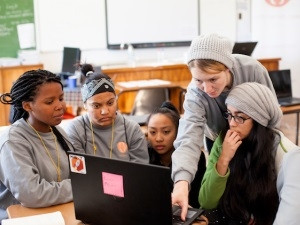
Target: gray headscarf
[[95, 87], [257, 101]]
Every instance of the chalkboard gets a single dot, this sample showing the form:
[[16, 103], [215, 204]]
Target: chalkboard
[[13, 13]]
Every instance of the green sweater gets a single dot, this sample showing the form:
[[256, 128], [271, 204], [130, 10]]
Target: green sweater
[[213, 185]]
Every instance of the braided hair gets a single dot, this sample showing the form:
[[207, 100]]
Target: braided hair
[[25, 89]]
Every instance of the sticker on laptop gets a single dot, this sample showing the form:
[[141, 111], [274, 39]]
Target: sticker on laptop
[[113, 184], [77, 164]]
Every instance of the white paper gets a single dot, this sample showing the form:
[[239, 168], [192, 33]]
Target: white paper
[[54, 218], [26, 35], [143, 83]]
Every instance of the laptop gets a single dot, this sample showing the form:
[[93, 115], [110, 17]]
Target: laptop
[[281, 80], [244, 48], [111, 191]]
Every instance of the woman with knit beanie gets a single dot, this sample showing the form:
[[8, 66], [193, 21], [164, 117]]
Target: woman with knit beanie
[[103, 131], [242, 171], [215, 71]]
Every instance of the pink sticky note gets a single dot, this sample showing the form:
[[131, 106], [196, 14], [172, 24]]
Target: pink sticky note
[[113, 184]]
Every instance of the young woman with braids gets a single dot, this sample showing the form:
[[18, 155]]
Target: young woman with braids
[[103, 131], [34, 169]]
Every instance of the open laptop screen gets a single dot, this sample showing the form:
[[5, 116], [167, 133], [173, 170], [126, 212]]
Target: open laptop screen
[[111, 191], [71, 56], [281, 80], [244, 48]]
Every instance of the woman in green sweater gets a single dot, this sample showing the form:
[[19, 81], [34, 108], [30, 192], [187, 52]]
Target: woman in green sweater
[[240, 179]]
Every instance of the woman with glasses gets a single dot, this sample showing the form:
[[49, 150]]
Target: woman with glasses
[[240, 179], [103, 131]]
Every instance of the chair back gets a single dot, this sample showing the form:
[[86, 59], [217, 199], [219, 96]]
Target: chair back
[[147, 100]]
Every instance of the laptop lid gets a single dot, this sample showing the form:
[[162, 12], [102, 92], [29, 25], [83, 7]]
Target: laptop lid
[[244, 48], [110, 191], [71, 56], [281, 80]]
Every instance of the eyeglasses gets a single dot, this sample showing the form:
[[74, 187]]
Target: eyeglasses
[[237, 119]]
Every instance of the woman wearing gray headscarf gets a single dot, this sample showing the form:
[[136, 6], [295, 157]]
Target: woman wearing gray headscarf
[[103, 131], [242, 171]]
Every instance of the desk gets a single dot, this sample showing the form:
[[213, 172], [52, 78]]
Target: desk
[[67, 211], [293, 109]]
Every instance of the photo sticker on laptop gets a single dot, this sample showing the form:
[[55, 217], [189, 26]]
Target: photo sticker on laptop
[[77, 164]]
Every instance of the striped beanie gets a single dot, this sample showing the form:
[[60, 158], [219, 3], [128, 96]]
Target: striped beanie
[[257, 101]]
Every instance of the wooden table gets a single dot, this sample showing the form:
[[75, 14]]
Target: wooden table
[[67, 211]]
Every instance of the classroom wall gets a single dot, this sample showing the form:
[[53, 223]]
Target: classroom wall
[[274, 27], [277, 30], [78, 23]]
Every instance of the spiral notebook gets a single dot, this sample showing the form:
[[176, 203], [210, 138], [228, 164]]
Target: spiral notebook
[[110, 191]]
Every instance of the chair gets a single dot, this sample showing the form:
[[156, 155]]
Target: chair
[[147, 100]]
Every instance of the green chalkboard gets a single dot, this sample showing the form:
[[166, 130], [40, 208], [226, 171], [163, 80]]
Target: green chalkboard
[[13, 13]]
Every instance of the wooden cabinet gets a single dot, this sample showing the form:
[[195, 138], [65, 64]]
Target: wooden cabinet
[[7, 76], [175, 72], [270, 63]]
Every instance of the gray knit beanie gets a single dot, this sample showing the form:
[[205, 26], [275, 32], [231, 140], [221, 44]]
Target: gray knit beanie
[[211, 46], [257, 101]]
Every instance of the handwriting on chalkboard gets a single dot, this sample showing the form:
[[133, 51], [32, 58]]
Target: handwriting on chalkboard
[[13, 13]]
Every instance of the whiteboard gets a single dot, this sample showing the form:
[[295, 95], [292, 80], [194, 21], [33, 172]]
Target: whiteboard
[[70, 23], [151, 21]]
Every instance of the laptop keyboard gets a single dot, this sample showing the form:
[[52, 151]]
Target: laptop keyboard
[[191, 215]]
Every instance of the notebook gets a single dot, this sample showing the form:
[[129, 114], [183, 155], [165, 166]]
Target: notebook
[[110, 191], [244, 48], [281, 80]]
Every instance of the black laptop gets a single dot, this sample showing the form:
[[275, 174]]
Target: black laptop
[[244, 48], [110, 191], [281, 80]]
